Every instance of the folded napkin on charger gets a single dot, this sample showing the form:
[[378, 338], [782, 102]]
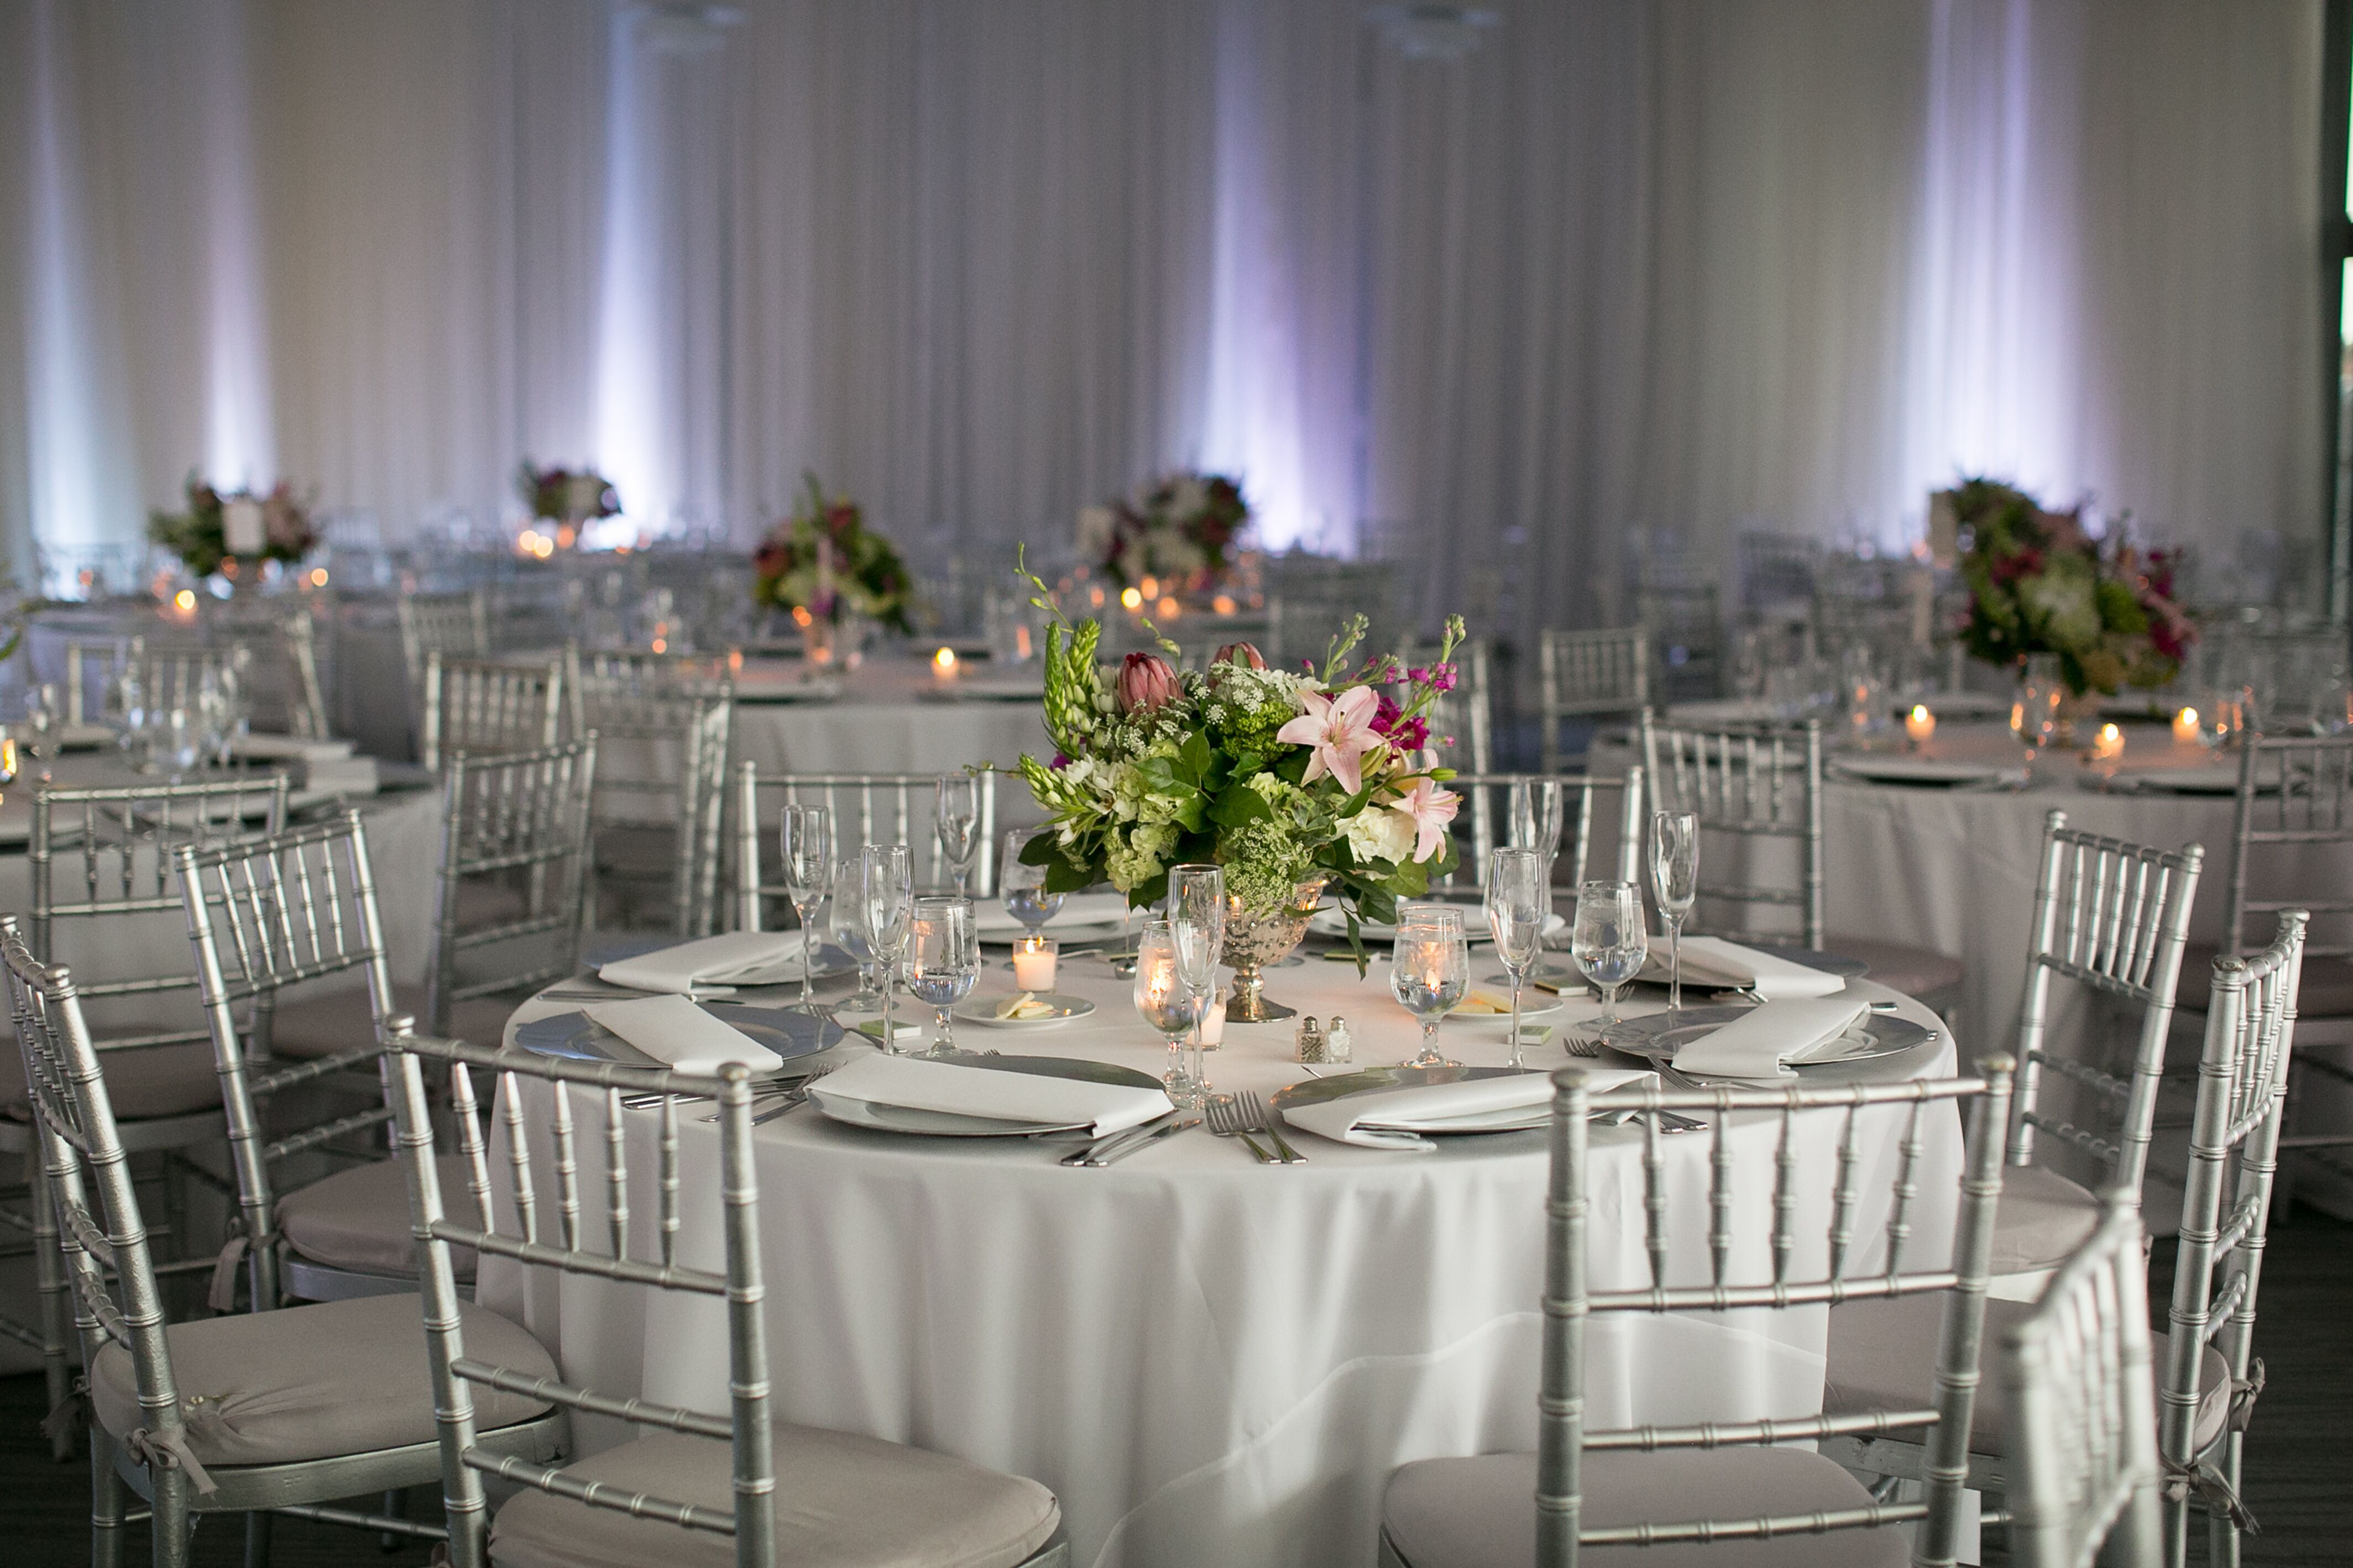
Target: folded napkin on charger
[[1761, 1042], [1712, 962], [677, 1033], [912, 1083], [1398, 1118], [712, 965]]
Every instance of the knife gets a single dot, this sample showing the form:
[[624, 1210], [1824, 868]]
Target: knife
[[1120, 1145]]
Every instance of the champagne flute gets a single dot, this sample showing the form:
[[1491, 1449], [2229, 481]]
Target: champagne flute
[[1161, 1002], [1517, 897], [44, 716], [805, 837], [1430, 971], [886, 884], [956, 817], [1609, 939], [1196, 923], [943, 961], [1023, 888], [847, 930], [1535, 808], [1674, 882]]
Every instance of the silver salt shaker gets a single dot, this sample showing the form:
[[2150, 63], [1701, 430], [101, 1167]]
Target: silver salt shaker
[[1337, 1046], [1307, 1040]]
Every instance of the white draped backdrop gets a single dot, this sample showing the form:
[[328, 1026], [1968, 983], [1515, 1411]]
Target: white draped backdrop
[[1674, 263]]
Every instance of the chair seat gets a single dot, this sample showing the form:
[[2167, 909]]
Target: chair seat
[[1481, 1513], [638, 849], [304, 1383], [1881, 1356], [2040, 1219], [2324, 991], [304, 1027], [167, 1080], [842, 1501], [1914, 970], [358, 1218]]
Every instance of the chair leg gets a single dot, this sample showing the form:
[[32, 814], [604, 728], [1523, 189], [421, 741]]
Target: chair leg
[[172, 1525], [256, 1539], [396, 1506], [109, 1500], [49, 1281]]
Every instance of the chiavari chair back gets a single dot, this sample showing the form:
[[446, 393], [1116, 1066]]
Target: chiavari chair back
[[659, 795], [454, 625], [1483, 823], [1685, 621], [276, 652], [1594, 674], [866, 808], [1760, 787], [516, 823], [489, 706]]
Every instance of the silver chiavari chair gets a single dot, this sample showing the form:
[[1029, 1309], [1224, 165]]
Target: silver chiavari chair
[[2075, 1374], [1598, 674], [1730, 1481], [514, 878], [279, 666], [660, 794], [454, 625], [1685, 621], [1484, 822], [866, 808], [282, 1411], [489, 706], [771, 1488]]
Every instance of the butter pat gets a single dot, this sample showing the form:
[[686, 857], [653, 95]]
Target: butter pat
[[1025, 1006]]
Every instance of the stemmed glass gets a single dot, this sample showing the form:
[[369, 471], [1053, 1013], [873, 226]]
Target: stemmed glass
[[885, 887], [1536, 806], [1517, 897], [805, 837], [846, 927], [1609, 939], [1674, 883], [957, 818], [43, 719], [1023, 888], [942, 961], [1430, 971], [1197, 925], [1161, 1002]]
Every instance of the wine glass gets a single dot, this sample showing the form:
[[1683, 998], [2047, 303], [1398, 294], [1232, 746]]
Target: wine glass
[[942, 961], [1609, 939], [1430, 971], [804, 839], [846, 929], [1196, 923], [1536, 806], [1023, 888], [885, 887], [1161, 1002], [2034, 709], [1674, 883], [1518, 899], [957, 819], [43, 718]]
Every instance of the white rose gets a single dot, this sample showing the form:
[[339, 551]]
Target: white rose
[[1377, 833]]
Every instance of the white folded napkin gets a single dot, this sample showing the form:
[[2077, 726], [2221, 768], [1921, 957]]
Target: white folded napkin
[[992, 919], [913, 1083], [1712, 961], [676, 1032], [713, 965], [1760, 1044], [1397, 1117]]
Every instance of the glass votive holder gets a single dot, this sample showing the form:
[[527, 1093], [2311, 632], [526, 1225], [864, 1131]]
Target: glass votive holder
[[1033, 962]]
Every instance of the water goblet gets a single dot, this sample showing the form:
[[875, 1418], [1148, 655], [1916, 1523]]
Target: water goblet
[[1609, 939], [1196, 923], [886, 887], [846, 928], [943, 961], [1518, 899], [1023, 888], [1674, 883], [957, 819], [1430, 971], [1161, 1002], [804, 839]]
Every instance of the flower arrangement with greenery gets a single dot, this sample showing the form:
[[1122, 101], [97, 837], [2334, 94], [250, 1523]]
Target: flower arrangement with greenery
[[1179, 530], [566, 495], [2040, 583], [823, 560], [199, 536], [1278, 777]]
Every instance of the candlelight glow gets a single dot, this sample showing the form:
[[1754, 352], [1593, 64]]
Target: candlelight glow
[[1151, 586], [1223, 604], [1131, 598], [318, 576], [801, 616], [2185, 724], [1168, 607], [1919, 724], [2109, 744], [944, 662], [184, 601]]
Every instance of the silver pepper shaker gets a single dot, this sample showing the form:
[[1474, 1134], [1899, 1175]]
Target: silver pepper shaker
[[1307, 1040], [1337, 1046]]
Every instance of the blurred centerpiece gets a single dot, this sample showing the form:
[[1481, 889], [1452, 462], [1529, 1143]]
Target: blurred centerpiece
[[567, 501], [1296, 783], [225, 532], [1178, 538], [836, 577]]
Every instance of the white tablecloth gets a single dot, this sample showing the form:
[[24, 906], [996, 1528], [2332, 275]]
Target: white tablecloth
[[887, 719], [1209, 1362]]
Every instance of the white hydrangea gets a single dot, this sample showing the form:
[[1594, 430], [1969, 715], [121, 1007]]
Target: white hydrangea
[[1377, 833]]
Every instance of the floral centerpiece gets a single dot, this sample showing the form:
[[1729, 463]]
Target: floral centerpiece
[[2039, 585], [567, 497], [219, 528], [823, 565], [1179, 530]]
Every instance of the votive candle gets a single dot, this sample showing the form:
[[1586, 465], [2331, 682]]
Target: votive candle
[[2109, 744], [1213, 1023], [944, 664], [2185, 724], [1919, 724], [1033, 962]]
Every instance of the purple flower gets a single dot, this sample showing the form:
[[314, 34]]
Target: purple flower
[[1060, 763]]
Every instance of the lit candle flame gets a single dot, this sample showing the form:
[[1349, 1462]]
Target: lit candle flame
[[944, 662], [1131, 598]]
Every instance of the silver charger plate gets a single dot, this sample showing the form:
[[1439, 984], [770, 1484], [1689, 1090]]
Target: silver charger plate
[[949, 1124], [582, 1039], [1376, 1081], [1658, 1036]]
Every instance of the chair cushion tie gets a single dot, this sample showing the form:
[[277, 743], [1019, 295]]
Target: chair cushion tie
[[2211, 1490], [153, 1446]]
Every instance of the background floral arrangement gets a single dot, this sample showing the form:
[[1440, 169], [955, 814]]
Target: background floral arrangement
[[825, 560], [2039, 584], [566, 495], [1277, 777], [1180, 529], [199, 535]]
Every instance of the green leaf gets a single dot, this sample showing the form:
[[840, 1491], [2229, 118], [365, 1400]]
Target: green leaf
[[1042, 849], [1238, 806]]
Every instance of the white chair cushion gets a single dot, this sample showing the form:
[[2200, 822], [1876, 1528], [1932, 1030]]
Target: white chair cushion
[[166, 1080], [303, 1029], [358, 1218], [1899, 967], [304, 1383], [1481, 1513], [842, 1501], [2040, 1220]]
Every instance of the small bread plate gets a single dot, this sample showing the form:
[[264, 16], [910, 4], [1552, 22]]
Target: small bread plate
[[879, 1118], [1492, 1001], [1658, 1036], [990, 1011], [582, 1039], [1378, 1080]]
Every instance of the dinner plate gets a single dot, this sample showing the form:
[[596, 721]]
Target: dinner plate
[[2179, 781], [1658, 1036], [581, 1038], [1929, 773], [982, 1010], [1377, 1080], [1333, 922], [831, 961], [867, 1113]]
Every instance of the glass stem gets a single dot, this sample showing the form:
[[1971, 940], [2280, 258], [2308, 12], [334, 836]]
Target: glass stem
[[1200, 1043], [944, 1037], [1516, 1062], [889, 1035], [809, 960], [1430, 1038], [1675, 962]]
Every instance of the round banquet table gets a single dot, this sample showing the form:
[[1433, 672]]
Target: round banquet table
[[1209, 1360], [892, 714]]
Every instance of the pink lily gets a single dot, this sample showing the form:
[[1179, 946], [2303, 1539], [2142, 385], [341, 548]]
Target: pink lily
[[1430, 809], [1341, 730]]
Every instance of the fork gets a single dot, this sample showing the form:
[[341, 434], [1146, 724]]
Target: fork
[[1226, 1121], [1253, 1111]]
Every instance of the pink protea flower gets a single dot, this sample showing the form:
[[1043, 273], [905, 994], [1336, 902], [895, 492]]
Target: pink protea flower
[[1429, 807], [1147, 682], [1340, 729], [1241, 653]]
